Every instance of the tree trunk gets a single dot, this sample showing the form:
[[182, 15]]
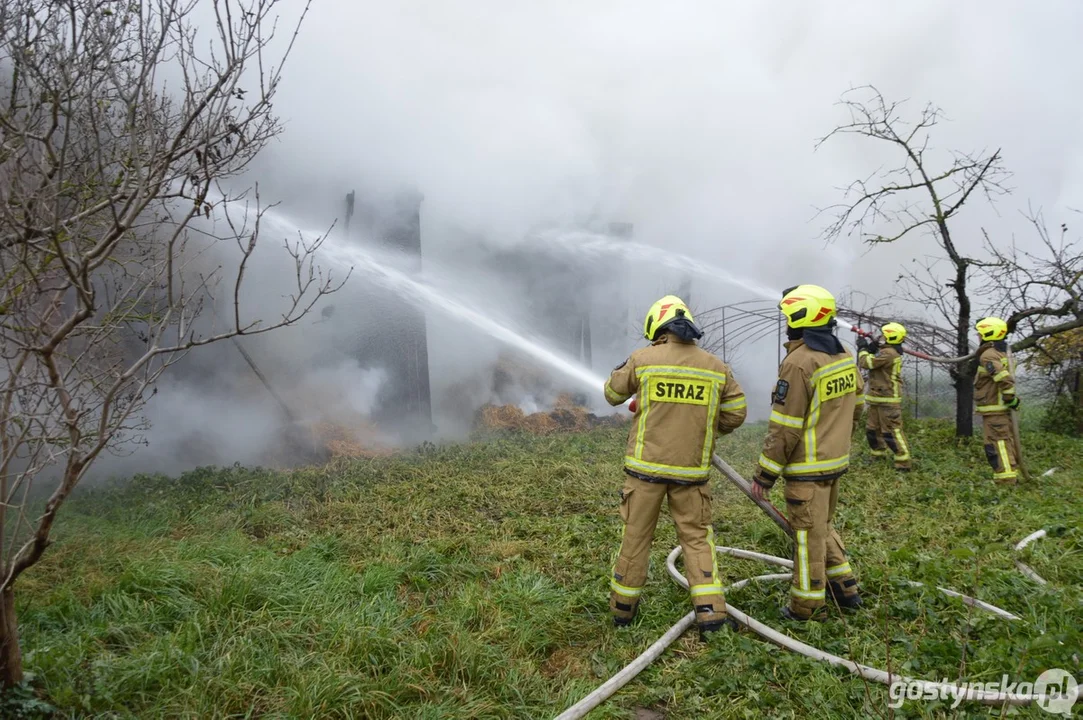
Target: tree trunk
[[1077, 393], [964, 401], [964, 378], [11, 659]]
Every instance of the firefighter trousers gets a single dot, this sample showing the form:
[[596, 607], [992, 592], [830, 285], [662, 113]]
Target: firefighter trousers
[[883, 430], [690, 507], [819, 555], [1000, 446]]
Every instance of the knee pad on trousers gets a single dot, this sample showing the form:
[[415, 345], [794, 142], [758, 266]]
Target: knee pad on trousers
[[889, 438], [870, 435], [991, 456]]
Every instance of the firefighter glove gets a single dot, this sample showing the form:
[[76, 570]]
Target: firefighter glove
[[862, 342], [761, 478], [873, 347], [1012, 404]]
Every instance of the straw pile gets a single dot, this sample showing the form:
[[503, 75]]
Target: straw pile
[[566, 416], [363, 440]]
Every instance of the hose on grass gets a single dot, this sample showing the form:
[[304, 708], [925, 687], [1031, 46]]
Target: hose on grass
[[1022, 566], [625, 675]]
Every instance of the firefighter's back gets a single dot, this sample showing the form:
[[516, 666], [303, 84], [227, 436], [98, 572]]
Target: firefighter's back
[[681, 387], [834, 388], [885, 380]]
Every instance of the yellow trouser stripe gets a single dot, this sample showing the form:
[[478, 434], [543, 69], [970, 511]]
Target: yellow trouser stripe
[[1002, 448], [701, 590], [787, 420], [624, 590], [714, 555], [904, 451], [802, 559], [837, 570], [807, 594], [876, 400]]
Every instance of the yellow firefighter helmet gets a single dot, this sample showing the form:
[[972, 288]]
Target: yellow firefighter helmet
[[894, 333], [807, 306], [991, 329], [662, 313]]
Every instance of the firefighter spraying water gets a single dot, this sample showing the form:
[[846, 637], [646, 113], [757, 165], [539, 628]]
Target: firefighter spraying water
[[816, 406], [994, 393], [688, 396], [884, 427]]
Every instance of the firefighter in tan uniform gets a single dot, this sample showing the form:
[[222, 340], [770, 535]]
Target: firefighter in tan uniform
[[684, 396], [816, 407], [994, 394], [883, 399]]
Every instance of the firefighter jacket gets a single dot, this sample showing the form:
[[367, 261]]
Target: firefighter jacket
[[815, 408], [885, 375], [994, 384], [685, 395]]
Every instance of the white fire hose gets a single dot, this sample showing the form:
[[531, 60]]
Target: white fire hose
[[615, 683], [1022, 566]]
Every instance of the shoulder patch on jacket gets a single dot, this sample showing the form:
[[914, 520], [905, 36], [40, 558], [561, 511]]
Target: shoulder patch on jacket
[[990, 368], [778, 397], [621, 365]]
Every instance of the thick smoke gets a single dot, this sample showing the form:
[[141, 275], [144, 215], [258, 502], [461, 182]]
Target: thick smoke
[[694, 122]]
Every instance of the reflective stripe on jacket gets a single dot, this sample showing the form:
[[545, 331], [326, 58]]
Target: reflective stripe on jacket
[[885, 375], [994, 383], [684, 396], [816, 405]]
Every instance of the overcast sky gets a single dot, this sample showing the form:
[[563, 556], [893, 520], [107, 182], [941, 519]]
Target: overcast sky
[[696, 121]]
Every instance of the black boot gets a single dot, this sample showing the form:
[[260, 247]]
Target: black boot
[[707, 628], [626, 621], [849, 602], [789, 614]]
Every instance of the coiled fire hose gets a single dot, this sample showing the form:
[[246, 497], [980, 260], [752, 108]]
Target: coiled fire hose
[[615, 683]]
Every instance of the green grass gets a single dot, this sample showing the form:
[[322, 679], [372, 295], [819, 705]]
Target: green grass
[[470, 581]]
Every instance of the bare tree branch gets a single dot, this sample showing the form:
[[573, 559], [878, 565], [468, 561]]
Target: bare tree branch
[[106, 170], [914, 197]]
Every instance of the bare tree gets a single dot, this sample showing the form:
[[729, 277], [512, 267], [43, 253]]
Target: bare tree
[[1039, 292], [119, 123], [918, 196]]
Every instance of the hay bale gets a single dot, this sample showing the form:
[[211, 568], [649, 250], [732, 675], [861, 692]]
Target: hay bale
[[499, 417], [364, 440]]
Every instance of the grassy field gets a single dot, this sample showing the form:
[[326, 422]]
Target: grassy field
[[470, 581]]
